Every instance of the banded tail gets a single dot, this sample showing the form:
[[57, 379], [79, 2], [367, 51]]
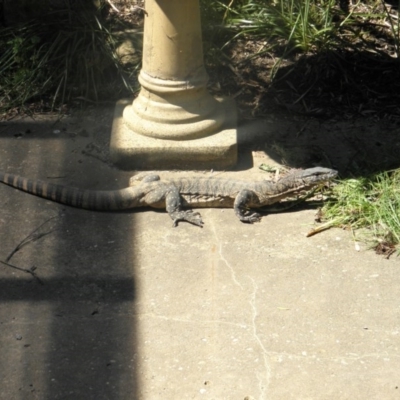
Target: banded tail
[[72, 196]]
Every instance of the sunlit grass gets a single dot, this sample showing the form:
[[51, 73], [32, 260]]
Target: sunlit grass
[[301, 24], [371, 204]]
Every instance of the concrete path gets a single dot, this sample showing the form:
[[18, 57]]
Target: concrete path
[[128, 307]]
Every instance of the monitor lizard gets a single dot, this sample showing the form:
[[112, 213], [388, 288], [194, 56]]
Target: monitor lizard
[[148, 190]]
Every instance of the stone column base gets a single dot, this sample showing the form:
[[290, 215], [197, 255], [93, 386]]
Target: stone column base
[[133, 151]]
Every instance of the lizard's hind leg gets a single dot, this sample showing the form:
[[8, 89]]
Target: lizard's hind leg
[[173, 206]]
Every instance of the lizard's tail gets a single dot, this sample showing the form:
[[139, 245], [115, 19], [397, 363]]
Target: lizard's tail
[[75, 197]]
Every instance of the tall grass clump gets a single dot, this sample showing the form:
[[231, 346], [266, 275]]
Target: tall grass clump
[[63, 55], [393, 21], [303, 25], [372, 203]]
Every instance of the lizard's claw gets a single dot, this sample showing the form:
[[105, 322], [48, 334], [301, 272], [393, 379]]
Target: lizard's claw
[[188, 216], [255, 217]]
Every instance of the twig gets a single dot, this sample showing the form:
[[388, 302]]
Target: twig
[[32, 237], [323, 227], [135, 8], [113, 6], [227, 10], [28, 271]]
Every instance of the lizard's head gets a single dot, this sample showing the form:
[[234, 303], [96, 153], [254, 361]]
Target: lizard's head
[[295, 183], [306, 179], [317, 174]]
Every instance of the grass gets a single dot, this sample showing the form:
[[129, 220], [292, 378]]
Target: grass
[[304, 26], [64, 55], [301, 25], [370, 204], [393, 21]]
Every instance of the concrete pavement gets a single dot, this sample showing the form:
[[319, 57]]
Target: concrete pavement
[[128, 307]]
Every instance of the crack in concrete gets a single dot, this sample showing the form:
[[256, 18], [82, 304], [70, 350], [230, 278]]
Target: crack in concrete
[[264, 381], [223, 258], [263, 378], [347, 357], [191, 321], [232, 270]]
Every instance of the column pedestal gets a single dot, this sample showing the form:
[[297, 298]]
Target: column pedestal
[[132, 151], [174, 122]]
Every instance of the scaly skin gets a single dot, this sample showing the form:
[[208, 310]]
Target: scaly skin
[[175, 194]]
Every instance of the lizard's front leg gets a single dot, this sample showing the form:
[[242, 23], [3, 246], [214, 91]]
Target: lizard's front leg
[[241, 209], [174, 208]]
